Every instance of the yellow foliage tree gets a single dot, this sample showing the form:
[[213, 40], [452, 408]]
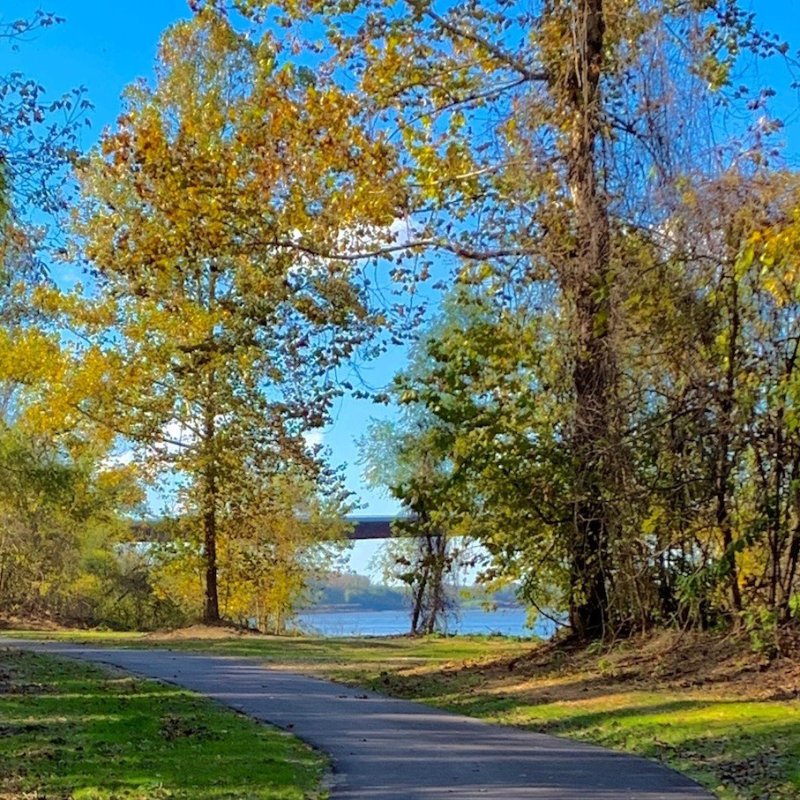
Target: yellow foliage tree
[[214, 330]]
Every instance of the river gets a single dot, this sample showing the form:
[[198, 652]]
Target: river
[[504, 621]]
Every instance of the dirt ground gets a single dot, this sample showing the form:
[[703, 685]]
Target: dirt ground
[[202, 632], [718, 664]]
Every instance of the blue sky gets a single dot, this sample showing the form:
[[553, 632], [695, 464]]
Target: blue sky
[[107, 45]]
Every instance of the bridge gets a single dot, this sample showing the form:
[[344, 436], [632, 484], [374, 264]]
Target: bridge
[[364, 528]]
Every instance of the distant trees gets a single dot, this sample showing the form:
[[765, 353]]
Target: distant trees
[[358, 592]]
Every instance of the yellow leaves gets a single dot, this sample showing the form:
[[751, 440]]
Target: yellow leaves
[[88, 312], [777, 249], [689, 198], [652, 523], [178, 578], [29, 356], [190, 211], [280, 149], [93, 377], [37, 363]]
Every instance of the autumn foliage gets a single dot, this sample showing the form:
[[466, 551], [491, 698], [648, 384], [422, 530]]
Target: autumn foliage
[[604, 392]]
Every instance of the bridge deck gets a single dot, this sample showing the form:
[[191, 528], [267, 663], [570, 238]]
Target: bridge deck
[[370, 528], [364, 528]]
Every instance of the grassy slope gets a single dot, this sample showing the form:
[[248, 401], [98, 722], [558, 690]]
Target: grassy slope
[[75, 731], [737, 742], [704, 705]]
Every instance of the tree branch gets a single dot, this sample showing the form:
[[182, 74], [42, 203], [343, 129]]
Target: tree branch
[[498, 52], [450, 247]]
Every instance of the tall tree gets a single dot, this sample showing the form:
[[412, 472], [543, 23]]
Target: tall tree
[[213, 342], [535, 138]]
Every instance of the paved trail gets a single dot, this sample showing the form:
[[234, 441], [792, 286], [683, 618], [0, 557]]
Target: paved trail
[[387, 749]]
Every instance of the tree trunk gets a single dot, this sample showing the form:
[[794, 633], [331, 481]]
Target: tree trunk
[[436, 605], [211, 609], [419, 598], [724, 459], [210, 489], [792, 559], [587, 284]]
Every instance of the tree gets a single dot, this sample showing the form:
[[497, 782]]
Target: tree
[[408, 458], [58, 515], [481, 445], [537, 140], [284, 538], [213, 345], [38, 138], [62, 505]]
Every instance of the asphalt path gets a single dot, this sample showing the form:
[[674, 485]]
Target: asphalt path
[[387, 749]]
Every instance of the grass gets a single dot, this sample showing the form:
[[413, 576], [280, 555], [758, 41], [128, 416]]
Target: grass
[[71, 730], [726, 720], [340, 658], [738, 749], [704, 705]]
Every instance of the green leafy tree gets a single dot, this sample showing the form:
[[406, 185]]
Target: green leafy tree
[[481, 447], [58, 515], [536, 139]]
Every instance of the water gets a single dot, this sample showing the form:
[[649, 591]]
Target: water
[[505, 621]]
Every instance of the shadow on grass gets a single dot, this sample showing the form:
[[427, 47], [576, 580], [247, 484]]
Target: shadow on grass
[[751, 747], [83, 734]]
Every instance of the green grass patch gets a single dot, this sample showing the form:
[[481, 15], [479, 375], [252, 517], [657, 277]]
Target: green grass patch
[[339, 656], [738, 749], [72, 730]]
